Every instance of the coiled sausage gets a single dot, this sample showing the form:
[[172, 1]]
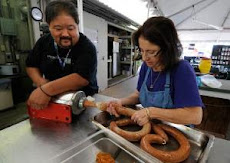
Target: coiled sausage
[[177, 155], [129, 135]]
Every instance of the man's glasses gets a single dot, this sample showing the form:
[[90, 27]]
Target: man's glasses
[[148, 53]]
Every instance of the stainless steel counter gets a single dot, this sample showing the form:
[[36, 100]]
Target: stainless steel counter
[[223, 92], [40, 141], [220, 152]]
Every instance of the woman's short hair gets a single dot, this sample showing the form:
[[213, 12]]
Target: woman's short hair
[[55, 8], [162, 32]]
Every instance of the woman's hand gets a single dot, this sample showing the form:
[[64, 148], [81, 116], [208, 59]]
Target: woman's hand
[[141, 117], [112, 107], [38, 100]]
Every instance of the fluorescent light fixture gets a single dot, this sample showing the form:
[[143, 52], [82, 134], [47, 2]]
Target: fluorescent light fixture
[[132, 27], [210, 25], [135, 10]]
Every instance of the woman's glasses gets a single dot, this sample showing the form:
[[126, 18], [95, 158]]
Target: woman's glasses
[[148, 53]]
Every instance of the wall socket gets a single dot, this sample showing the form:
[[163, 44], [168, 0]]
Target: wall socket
[[2, 59], [9, 57], [3, 48]]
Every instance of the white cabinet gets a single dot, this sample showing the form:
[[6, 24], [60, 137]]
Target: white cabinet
[[116, 59], [96, 28], [126, 50], [6, 98]]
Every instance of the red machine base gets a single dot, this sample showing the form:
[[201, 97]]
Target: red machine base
[[55, 112]]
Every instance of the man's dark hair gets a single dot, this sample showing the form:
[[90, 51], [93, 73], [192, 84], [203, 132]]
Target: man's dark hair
[[55, 8], [162, 32]]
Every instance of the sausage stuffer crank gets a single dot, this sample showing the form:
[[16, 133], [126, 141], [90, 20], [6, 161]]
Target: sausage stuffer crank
[[62, 107]]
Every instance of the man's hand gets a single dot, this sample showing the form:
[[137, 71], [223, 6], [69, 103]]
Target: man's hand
[[41, 82], [38, 100]]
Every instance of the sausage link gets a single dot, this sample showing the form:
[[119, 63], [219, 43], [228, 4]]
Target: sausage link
[[159, 131], [125, 111], [129, 135], [103, 107], [177, 155], [125, 122]]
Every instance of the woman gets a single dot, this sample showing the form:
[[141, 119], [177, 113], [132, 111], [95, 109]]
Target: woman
[[167, 85]]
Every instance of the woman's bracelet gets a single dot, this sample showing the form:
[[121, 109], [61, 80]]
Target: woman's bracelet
[[45, 92], [147, 113]]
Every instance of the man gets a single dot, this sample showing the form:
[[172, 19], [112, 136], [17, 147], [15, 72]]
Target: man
[[63, 60]]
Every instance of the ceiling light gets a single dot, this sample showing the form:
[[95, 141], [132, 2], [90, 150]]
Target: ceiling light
[[132, 27]]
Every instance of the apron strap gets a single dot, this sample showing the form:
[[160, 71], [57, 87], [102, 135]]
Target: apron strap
[[146, 76], [167, 96], [167, 81]]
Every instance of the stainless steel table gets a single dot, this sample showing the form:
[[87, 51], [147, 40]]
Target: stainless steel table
[[33, 141], [220, 152], [223, 92]]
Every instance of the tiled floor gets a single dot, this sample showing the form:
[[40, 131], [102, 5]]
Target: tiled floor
[[122, 89], [13, 115], [118, 79]]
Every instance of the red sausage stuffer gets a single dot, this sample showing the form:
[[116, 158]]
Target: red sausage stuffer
[[62, 107]]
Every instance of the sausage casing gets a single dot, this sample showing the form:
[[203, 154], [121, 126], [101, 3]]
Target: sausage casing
[[177, 155], [129, 135]]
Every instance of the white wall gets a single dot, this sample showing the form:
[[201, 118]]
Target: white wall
[[203, 40], [94, 23], [207, 36]]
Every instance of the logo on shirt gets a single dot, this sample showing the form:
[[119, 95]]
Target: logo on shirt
[[66, 60]]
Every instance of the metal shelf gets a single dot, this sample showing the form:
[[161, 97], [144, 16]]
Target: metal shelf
[[125, 62], [126, 47]]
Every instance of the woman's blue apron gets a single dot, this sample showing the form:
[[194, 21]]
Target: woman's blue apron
[[160, 99]]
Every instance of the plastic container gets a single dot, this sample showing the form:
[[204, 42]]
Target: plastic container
[[210, 81], [205, 65], [198, 81]]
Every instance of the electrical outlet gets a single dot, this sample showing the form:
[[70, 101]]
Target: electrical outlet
[[2, 59], [3, 48], [17, 56], [9, 57]]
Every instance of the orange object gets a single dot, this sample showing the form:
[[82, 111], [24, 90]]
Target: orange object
[[205, 65], [103, 157], [55, 112]]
